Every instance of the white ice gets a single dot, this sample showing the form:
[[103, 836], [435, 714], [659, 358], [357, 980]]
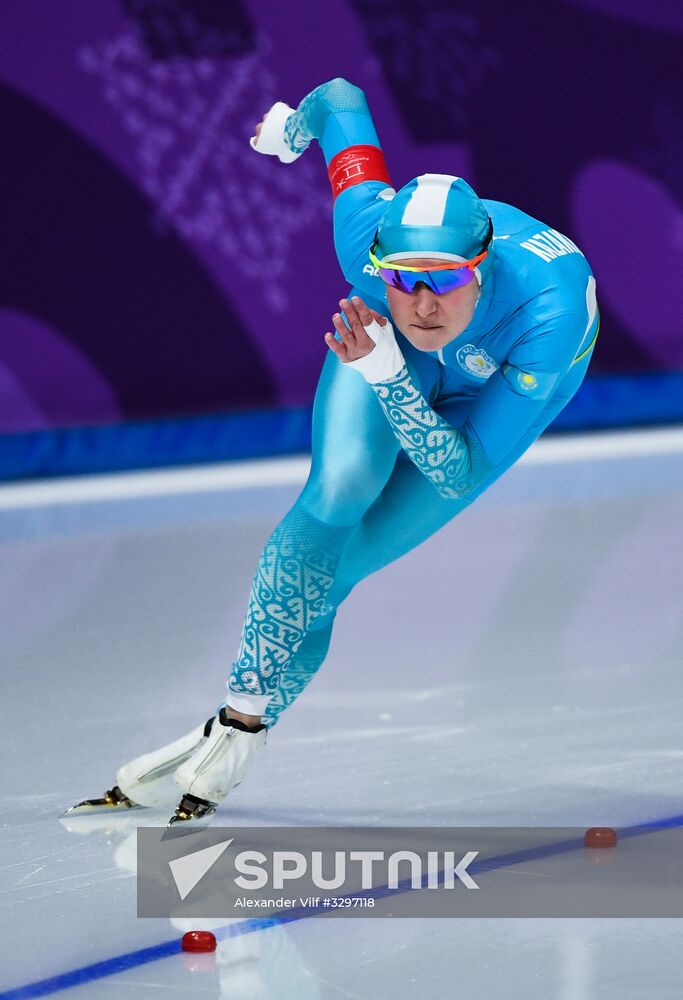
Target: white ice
[[526, 671]]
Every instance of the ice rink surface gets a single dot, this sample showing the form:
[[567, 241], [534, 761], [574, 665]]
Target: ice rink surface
[[521, 668]]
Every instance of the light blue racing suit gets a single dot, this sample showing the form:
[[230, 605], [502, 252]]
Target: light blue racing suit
[[394, 462]]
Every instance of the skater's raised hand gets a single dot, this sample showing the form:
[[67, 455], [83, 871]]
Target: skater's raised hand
[[355, 342], [369, 346], [269, 134]]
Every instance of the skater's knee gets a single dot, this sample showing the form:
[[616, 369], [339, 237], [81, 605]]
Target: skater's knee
[[341, 493]]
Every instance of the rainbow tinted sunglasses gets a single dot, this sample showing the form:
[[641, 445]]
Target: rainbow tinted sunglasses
[[440, 279]]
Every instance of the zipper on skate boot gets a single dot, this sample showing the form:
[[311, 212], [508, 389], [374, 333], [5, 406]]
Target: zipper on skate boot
[[223, 746], [174, 763]]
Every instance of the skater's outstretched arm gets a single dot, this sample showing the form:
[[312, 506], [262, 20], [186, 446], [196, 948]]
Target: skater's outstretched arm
[[337, 115], [457, 460]]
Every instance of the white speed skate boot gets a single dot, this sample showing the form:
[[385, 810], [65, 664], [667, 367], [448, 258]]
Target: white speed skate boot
[[216, 766], [146, 780]]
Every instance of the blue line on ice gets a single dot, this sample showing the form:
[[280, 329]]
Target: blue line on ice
[[135, 959]]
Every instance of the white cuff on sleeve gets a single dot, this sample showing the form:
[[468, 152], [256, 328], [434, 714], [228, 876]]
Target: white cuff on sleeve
[[271, 139], [250, 704], [385, 360]]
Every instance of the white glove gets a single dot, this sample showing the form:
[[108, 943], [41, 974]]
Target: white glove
[[386, 358], [271, 139]]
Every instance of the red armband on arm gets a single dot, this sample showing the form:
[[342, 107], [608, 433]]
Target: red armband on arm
[[355, 165]]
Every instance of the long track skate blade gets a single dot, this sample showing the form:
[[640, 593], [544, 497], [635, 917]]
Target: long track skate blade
[[113, 801], [93, 807], [174, 831]]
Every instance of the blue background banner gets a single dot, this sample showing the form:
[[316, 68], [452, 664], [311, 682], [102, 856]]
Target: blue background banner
[[137, 327]]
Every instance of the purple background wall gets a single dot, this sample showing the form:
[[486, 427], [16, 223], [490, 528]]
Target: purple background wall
[[137, 221]]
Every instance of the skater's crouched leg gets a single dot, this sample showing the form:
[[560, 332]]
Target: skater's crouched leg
[[354, 452]]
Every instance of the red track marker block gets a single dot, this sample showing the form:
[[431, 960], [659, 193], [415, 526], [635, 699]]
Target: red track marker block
[[198, 941], [600, 836]]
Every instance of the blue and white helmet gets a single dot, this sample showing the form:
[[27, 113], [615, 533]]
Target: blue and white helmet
[[437, 216]]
